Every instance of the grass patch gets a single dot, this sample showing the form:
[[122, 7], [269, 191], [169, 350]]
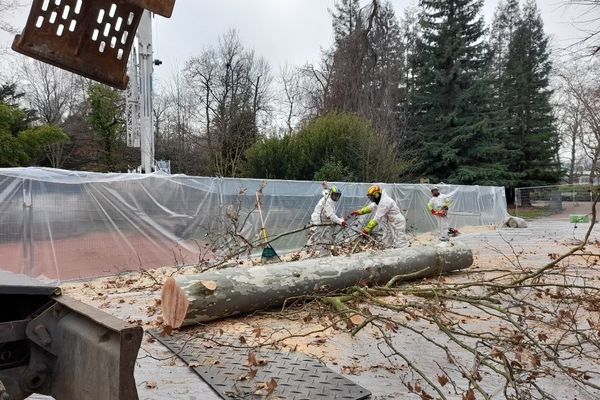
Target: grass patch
[[530, 212], [578, 188]]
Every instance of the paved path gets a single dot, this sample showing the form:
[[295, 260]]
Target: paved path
[[542, 237]]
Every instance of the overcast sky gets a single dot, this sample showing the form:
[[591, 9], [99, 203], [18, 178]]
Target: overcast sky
[[291, 31], [287, 31]]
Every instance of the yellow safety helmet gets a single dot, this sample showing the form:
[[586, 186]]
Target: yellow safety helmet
[[335, 193], [374, 192]]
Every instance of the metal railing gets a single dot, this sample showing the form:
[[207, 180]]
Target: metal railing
[[553, 199]]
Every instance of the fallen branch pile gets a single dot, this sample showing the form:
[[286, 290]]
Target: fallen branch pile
[[527, 334]]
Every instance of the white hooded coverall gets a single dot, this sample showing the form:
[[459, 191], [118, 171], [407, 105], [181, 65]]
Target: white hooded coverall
[[389, 217], [437, 204], [324, 213]]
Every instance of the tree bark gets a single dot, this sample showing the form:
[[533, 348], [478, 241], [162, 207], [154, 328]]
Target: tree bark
[[219, 294]]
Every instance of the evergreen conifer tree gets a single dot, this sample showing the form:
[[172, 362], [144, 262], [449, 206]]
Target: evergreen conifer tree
[[346, 18], [452, 137], [530, 137], [506, 20]]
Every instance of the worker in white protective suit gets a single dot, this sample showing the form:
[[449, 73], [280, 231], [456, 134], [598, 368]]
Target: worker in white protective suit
[[438, 205], [323, 214], [387, 214]]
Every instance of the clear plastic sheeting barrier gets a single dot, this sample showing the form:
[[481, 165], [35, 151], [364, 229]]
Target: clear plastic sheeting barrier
[[62, 225]]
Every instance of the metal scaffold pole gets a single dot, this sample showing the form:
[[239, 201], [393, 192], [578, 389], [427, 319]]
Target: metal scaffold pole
[[140, 131]]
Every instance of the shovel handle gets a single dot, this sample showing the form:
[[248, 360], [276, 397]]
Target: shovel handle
[[262, 221], [263, 231]]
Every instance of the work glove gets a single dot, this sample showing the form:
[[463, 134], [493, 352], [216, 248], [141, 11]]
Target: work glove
[[433, 212], [344, 224], [354, 214], [368, 229]]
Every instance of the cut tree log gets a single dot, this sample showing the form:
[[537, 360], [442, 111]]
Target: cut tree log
[[175, 300], [219, 294]]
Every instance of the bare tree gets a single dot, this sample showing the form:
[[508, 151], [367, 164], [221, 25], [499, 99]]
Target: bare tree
[[57, 154], [202, 77], [588, 22], [6, 7], [364, 70], [51, 92], [160, 106], [571, 137], [290, 82], [234, 85], [581, 86], [177, 127], [570, 124], [316, 85]]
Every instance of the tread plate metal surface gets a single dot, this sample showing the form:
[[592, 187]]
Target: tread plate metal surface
[[226, 370]]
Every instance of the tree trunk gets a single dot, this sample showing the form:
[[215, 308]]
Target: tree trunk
[[219, 294], [573, 155]]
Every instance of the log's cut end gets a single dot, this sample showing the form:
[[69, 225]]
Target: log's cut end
[[174, 304]]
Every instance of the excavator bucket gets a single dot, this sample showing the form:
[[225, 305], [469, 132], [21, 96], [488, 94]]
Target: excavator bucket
[[89, 38], [53, 345]]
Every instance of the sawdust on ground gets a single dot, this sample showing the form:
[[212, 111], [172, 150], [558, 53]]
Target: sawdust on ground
[[135, 297]]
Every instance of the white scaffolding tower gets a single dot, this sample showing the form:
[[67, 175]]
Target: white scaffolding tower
[[140, 130]]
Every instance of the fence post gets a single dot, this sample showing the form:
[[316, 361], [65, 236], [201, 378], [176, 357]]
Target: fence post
[[28, 255]]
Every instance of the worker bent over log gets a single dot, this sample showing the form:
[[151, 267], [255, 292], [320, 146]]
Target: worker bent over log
[[324, 213], [387, 215]]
